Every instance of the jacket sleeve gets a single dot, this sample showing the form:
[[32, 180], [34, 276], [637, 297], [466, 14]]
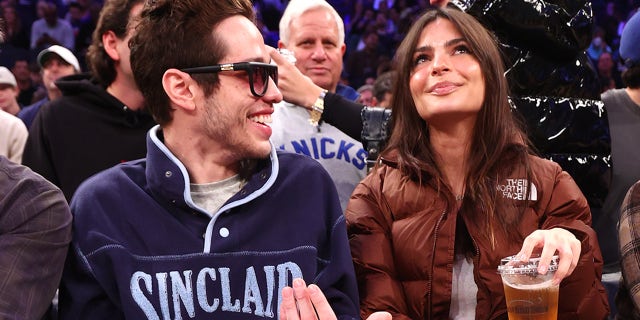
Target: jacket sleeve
[[567, 208], [81, 296], [561, 28], [35, 230], [369, 237], [337, 280], [343, 114], [629, 236], [37, 154]]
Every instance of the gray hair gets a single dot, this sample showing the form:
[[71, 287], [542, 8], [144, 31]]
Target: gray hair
[[296, 8]]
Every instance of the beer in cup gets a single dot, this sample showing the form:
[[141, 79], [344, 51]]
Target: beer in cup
[[529, 295]]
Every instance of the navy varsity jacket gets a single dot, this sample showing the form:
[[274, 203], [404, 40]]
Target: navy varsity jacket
[[142, 249]]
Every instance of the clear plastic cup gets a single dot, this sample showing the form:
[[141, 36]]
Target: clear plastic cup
[[529, 295]]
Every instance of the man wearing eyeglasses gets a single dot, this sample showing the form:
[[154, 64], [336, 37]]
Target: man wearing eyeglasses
[[214, 223], [314, 32]]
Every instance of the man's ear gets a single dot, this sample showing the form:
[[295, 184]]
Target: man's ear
[[110, 43], [179, 87]]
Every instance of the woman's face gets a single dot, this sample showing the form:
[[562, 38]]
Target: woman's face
[[446, 80]]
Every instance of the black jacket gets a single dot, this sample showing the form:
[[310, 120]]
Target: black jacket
[[85, 131], [554, 86]]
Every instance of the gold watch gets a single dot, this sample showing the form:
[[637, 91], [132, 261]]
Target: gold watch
[[317, 108]]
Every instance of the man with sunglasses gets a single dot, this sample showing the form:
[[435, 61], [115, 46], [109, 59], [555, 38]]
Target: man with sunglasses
[[214, 223], [314, 32]]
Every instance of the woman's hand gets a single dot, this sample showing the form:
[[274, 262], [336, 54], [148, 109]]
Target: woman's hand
[[296, 88], [303, 303], [556, 239]]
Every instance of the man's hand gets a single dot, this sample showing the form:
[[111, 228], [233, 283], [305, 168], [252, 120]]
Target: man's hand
[[304, 303]]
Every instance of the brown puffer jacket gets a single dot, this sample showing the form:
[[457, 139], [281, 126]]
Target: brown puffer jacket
[[402, 240]]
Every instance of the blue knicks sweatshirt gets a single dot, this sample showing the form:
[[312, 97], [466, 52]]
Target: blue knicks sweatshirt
[[142, 249]]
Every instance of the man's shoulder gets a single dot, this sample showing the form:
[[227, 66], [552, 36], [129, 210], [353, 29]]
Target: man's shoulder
[[294, 163], [10, 123], [15, 176], [612, 94], [7, 118], [112, 182]]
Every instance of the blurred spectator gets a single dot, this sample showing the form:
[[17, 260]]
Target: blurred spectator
[[13, 135], [362, 18], [366, 95], [16, 33], [26, 88], [55, 62], [50, 29], [77, 17], [36, 80], [386, 30], [377, 4], [382, 88], [100, 119], [8, 92], [83, 39], [610, 22], [267, 18], [608, 73], [362, 64], [597, 46]]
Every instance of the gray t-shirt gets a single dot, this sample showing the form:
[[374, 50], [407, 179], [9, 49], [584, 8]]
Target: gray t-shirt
[[342, 156], [211, 196]]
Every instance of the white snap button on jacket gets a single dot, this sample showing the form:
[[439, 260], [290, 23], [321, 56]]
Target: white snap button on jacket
[[224, 232]]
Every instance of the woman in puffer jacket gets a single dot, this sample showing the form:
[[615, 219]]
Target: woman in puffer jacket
[[457, 188]]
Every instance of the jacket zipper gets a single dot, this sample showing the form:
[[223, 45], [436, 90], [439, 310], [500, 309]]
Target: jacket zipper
[[433, 257]]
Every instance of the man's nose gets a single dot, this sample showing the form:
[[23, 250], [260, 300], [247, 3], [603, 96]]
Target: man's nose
[[319, 52]]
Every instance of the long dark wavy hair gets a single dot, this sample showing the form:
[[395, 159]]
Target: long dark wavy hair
[[498, 142]]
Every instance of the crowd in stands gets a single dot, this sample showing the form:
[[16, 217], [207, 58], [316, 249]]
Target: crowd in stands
[[373, 30]]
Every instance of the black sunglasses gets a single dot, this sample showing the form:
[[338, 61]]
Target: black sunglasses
[[259, 73]]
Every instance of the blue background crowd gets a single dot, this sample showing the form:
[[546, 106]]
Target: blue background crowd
[[373, 29]]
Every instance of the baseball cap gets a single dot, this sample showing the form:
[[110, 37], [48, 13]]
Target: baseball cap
[[630, 41], [6, 77], [61, 52]]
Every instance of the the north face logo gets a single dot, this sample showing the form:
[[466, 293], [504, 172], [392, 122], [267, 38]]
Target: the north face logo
[[516, 189]]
